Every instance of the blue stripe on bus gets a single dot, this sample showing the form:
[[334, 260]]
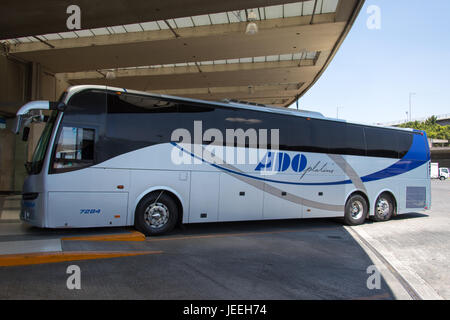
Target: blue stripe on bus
[[413, 159], [417, 155]]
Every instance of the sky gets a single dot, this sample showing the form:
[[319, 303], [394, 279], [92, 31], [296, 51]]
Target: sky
[[374, 70]]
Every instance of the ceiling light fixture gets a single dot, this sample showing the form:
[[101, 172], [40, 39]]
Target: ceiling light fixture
[[110, 75], [252, 27]]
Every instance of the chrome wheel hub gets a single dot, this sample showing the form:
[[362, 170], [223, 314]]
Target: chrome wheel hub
[[383, 207], [156, 215], [357, 209]]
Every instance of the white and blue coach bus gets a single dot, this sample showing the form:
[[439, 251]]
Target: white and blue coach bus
[[106, 158]]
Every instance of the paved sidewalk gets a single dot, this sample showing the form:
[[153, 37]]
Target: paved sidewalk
[[9, 207], [417, 245]]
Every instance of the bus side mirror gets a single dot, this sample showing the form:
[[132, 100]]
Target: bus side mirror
[[26, 133]]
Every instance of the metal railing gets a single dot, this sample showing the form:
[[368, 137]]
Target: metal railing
[[422, 119]]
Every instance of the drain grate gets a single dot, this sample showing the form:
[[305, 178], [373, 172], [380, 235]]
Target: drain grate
[[334, 237]]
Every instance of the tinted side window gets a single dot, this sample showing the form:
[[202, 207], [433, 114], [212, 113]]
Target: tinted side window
[[134, 122], [74, 149], [87, 110], [140, 119], [404, 143], [320, 135], [336, 132], [354, 140], [294, 132], [252, 121], [86, 107], [210, 117], [381, 143]]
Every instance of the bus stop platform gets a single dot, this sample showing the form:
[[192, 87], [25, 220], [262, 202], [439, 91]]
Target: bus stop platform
[[19, 238]]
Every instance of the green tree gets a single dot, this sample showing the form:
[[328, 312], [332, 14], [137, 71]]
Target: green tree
[[431, 127]]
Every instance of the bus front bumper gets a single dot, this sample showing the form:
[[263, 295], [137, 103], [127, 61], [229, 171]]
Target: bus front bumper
[[31, 209]]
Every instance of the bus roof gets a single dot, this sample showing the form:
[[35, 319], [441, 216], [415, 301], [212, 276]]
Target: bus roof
[[227, 103]]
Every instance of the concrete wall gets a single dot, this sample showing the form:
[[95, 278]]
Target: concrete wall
[[14, 78], [14, 91], [43, 84], [21, 82], [441, 156], [61, 85], [7, 151]]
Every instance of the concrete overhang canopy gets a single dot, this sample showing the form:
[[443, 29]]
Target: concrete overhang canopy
[[206, 56], [30, 17]]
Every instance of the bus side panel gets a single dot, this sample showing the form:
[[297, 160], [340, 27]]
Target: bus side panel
[[144, 182], [239, 200], [323, 196], [414, 191], [276, 203], [90, 197], [87, 209], [204, 197]]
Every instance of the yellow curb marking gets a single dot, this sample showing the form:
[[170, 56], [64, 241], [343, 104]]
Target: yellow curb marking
[[54, 257]]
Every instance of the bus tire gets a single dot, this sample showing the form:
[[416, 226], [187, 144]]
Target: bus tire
[[384, 207], [356, 209], [156, 214]]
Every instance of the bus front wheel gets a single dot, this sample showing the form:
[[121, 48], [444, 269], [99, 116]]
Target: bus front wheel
[[356, 210], [156, 213]]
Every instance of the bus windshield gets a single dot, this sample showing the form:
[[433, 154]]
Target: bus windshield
[[35, 166]]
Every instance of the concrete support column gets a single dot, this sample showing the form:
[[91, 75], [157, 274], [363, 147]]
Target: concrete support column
[[61, 85], [35, 81], [7, 156]]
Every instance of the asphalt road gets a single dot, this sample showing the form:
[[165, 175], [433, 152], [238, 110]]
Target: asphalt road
[[314, 259], [294, 259]]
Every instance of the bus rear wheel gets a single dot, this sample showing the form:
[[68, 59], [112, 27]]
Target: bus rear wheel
[[156, 213], [356, 210], [384, 208]]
